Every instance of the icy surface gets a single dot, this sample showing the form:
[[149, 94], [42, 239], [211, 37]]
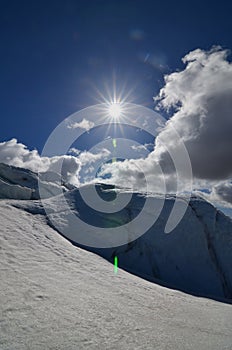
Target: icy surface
[[196, 257], [18, 183], [57, 296]]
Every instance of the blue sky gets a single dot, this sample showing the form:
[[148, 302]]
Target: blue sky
[[58, 57], [55, 54]]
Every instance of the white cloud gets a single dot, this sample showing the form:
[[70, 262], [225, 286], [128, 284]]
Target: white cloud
[[90, 158], [223, 192], [141, 147], [74, 151], [84, 124], [14, 153], [220, 194], [201, 97]]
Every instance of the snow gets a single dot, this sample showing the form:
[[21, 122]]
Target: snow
[[57, 296], [8, 190], [196, 257], [18, 183]]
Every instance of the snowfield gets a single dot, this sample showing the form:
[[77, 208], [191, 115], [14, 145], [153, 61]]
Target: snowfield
[[55, 295]]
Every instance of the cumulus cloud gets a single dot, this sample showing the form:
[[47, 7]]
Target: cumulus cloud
[[14, 153], [90, 158], [17, 154], [87, 157], [142, 147], [223, 192], [84, 124], [74, 151], [201, 97]]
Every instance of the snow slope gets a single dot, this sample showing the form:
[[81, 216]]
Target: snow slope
[[196, 257], [57, 296]]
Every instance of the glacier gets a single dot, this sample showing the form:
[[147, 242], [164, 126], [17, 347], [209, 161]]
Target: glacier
[[196, 257], [56, 294]]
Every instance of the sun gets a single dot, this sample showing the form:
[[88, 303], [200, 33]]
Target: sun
[[114, 101], [115, 110]]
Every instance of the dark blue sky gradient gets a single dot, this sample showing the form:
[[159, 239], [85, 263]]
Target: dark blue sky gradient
[[55, 54], [100, 133]]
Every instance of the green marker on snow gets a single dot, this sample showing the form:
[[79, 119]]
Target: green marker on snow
[[115, 265]]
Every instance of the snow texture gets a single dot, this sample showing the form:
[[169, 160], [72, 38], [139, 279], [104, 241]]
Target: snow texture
[[18, 183], [196, 257], [55, 295]]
